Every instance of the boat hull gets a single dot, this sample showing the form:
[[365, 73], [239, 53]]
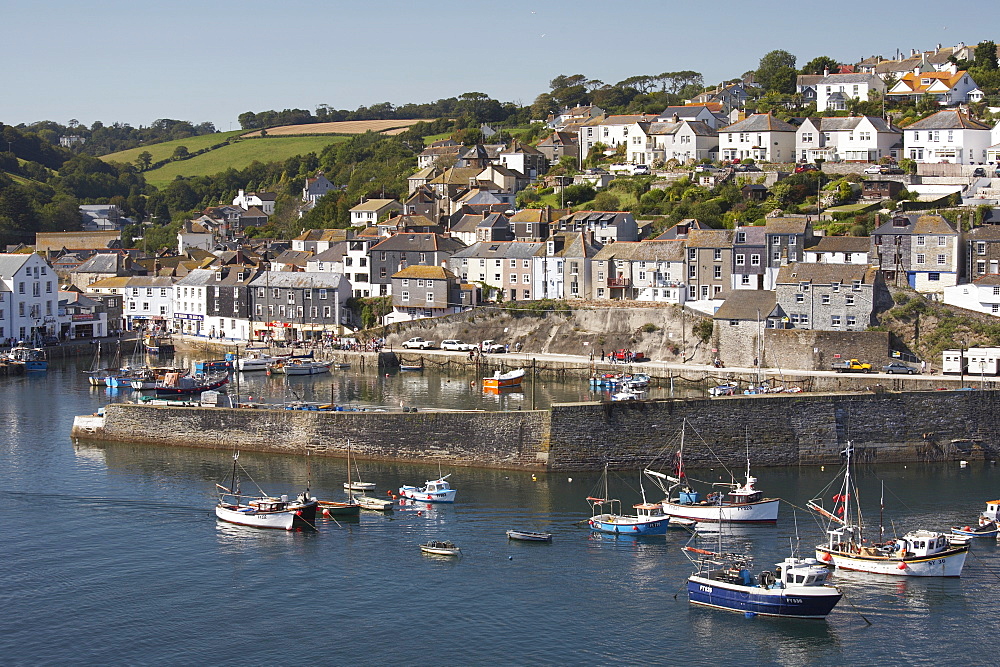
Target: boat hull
[[625, 525], [306, 369], [330, 508], [197, 389], [764, 511], [796, 603], [303, 517], [414, 493], [946, 564], [975, 533], [528, 536]]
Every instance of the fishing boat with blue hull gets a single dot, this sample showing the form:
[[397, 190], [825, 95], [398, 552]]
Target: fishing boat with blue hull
[[797, 588], [35, 359], [433, 491], [649, 518]]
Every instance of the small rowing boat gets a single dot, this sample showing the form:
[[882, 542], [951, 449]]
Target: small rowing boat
[[528, 536]]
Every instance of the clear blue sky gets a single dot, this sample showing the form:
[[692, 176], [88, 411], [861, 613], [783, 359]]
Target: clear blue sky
[[137, 61]]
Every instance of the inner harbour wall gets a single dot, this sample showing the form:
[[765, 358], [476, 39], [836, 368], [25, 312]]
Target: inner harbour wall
[[781, 430]]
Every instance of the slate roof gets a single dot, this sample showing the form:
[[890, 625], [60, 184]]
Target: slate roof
[[643, 251], [824, 274], [834, 124], [374, 205], [841, 244], [298, 279], [984, 233], [840, 79], [948, 119], [406, 241], [746, 305], [710, 238], [786, 225], [759, 122], [933, 224]]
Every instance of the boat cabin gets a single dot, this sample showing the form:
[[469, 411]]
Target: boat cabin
[[799, 572], [746, 494], [992, 507], [649, 511], [437, 486], [270, 504], [920, 543]]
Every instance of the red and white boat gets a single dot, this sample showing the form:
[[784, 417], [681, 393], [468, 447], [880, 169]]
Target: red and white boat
[[742, 504]]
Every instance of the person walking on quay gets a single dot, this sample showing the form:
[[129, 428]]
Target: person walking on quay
[[602, 354]]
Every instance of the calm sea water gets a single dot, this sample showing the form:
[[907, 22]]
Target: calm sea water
[[112, 554]]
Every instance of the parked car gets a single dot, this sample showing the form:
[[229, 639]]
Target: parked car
[[891, 169], [894, 367], [418, 343], [456, 345], [492, 346], [804, 167], [979, 172], [641, 170], [874, 169]]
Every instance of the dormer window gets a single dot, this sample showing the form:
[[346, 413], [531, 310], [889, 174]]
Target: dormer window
[[925, 82], [241, 276], [218, 275]]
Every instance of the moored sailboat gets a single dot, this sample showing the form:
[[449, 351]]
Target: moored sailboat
[[649, 518], [744, 503], [264, 511], [918, 553]]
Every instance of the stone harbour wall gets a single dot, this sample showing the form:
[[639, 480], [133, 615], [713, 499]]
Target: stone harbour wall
[[488, 439], [783, 429]]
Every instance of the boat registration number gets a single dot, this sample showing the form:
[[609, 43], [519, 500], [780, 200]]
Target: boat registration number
[[705, 589]]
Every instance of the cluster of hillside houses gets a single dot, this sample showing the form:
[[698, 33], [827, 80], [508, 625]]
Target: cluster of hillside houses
[[457, 240]]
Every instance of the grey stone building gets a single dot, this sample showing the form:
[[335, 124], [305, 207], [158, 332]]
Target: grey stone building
[[830, 297]]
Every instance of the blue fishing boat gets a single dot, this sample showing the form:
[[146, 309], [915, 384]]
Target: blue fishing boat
[[986, 527], [649, 518], [797, 588], [34, 358]]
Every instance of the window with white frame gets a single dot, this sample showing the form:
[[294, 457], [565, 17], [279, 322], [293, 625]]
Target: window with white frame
[[942, 259], [740, 259], [404, 296], [921, 240], [754, 260], [942, 241]]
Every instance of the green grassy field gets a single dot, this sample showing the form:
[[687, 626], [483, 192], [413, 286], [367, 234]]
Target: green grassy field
[[239, 155], [166, 149]]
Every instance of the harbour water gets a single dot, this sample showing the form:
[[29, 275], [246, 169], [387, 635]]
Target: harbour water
[[112, 555]]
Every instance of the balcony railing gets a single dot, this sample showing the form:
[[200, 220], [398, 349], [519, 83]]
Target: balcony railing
[[619, 282]]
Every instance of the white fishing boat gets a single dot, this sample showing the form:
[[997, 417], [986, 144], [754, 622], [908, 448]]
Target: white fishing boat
[[433, 491], [918, 553], [264, 511], [255, 361], [742, 503], [441, 548], [305, 367]]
